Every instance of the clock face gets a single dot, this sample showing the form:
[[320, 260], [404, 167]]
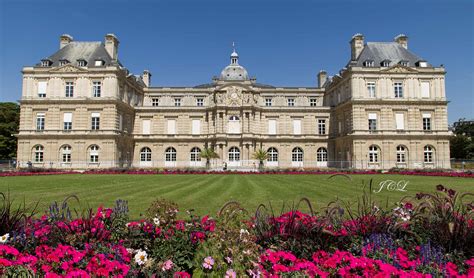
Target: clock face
[[233, 95]]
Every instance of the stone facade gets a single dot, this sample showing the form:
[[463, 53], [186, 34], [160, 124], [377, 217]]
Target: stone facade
[[81, 108]]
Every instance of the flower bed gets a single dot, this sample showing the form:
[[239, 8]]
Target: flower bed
[[425, 235]]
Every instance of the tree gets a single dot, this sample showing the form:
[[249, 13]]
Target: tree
[[208, 154], [9, 121], [462, 143], [260, 155]]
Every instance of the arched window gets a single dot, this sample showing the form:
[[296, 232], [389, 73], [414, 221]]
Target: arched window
[[66, 153], [428, 154], [94, 154], [233, 118], [195, 154], [272, 155], [401, 154], [38, 152], [322, 155], [145, 154], [170, 154], [373, 154], [297, 155], [234, 154]]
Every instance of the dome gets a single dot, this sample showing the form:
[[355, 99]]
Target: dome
[[234, 72]]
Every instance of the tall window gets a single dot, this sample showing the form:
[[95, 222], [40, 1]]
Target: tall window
[[199, 102], [268, 102], [373, 154], [272, 127], [195, 154], [401, 154], [69, 89], [96, 88], [372, 121], [40, 119], [297, 155], [95, 121], [322, 155], [297, 127], [42, 85], [38, 153], [155, 102], [428, 154], [67, 121], [177, 102], [291, 102], [94, 154], [321, 126], [234, 154], [66, 154], [426, 121], [272, 155], [170, 154], [371, 89], [145, 154], [313, 102], [233, 125], [398, 89]]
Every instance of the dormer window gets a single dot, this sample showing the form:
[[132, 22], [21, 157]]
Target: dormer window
[[81, 63], [404, 63], [99, 63], [368, 63], [63, 62], [46, 63], [422, 64], [385, 63]]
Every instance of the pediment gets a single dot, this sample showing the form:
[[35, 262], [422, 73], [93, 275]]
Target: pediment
[[68, 68], [399, 69]]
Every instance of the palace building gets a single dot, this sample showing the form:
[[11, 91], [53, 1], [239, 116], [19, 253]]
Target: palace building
[[81, 109]]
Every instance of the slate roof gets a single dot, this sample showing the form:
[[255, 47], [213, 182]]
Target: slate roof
[[380, 51], [89, 51]]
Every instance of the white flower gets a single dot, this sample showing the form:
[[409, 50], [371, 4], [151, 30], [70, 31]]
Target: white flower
[[141, 257], [130, 250], [4, 238], [156, 220]]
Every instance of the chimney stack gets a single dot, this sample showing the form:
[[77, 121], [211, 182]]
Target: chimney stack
[[402, 40], [146, 77], [322, 77], [64, 40], [357, 44], [111, 45]]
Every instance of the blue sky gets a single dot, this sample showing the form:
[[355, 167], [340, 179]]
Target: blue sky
[[185, 43]]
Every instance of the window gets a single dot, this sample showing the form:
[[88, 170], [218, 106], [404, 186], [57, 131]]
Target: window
[[196, 127], [426, 121], [297, 127], [297, 155], [96, 88], [371, 89], [272, 127], [177, 102], [398, 89], [425, 89], [45, 63], [322, 155], [404, 63], [81, 63], [42, 88], [428, 154], [171, 127], [234, 154], [368, 63], [385, 63], [155, 101], [400, 121], [146, 124], [40, 119], [99, 63], [170, 154], [195, 154], [67, 121], [95, 121], [145, 154], [272, 155], [268, 102], [66, 154], [313, 102], [63, 62], [233, 125], [200, 102], [401, 154], [94, 154], [69, 89], [38, 153], [321, 126], [372, 121], [373, 154], [291, 102]]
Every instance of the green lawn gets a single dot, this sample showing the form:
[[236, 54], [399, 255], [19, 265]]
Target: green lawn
[[207, 193]]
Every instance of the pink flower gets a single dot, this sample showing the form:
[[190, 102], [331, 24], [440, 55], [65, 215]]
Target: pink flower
[[230, 273], [167, 265], [208, 262]]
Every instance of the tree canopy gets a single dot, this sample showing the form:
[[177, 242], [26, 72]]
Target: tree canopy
[[9, 121]]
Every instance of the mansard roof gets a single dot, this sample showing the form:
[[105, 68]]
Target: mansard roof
[[380, 51], [88, 51]]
